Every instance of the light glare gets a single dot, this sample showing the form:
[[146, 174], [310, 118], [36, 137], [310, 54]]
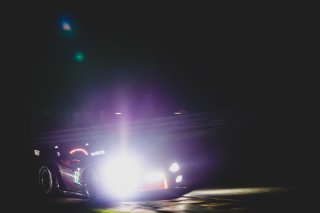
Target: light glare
[[178, 178], [174, 167], [155, 177], [122, 176]]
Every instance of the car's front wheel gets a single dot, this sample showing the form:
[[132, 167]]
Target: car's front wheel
[[45, 180], [89, 182]]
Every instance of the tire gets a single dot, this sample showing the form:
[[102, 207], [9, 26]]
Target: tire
[[89, 182], [45, 180]]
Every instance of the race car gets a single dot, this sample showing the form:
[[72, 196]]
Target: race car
[[91, 173]]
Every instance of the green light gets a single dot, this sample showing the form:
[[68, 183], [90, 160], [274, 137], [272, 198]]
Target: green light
[[76, 177], [79, 57]]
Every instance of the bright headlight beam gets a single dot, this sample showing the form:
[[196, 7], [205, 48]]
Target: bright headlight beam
[[174, 167], [155, 177], [123, 175]]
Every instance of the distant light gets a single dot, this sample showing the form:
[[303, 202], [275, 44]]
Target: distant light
[[56, 147], [87, 144], [79, 57], [118, 113], [66, 26], [178, 113], [79, 150], [58, 153], [178, 178], [37, 152]]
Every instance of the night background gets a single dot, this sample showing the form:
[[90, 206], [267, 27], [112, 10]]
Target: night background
[[239, 64]]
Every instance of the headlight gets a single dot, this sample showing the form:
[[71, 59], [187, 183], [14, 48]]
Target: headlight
[[155, 177], [174, 167], [178, 178], [122, 176]]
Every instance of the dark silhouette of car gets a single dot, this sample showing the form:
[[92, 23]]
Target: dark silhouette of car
[[95, 172]]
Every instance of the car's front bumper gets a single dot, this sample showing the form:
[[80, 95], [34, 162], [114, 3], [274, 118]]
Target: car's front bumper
[[162, 194]]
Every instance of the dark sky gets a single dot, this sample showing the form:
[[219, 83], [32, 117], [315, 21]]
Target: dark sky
[[192, 55], [201, 56]]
